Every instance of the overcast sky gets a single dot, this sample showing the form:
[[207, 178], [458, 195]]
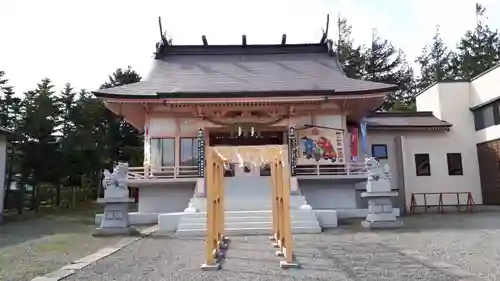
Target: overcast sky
[[82, 42]]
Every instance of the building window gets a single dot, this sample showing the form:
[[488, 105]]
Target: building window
[[189, 152], [379, 151], [486, 117], [454, 164], [163, 152], [422, 165]]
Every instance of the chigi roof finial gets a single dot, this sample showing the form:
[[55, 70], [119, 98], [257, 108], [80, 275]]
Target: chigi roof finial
[[325, 31], [283, 39], [244, 40], [163, 37]]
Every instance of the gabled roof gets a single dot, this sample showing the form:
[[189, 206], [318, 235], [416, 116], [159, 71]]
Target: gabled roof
[[405, 120], [250, 70], [8, 133]]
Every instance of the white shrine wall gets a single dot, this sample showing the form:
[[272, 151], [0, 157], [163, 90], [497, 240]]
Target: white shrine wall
[[164, 127]]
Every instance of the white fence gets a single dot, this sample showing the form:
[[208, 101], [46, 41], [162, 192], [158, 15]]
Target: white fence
[[165, 172], [173, 172], [348, 169]]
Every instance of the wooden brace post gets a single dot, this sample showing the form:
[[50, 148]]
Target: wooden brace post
[[282, 228], [215, 239]]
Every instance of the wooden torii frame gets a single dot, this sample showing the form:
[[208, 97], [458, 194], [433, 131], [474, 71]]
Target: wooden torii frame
[[273, 155]]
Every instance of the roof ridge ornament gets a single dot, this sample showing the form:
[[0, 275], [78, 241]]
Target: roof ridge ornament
[[324, 37], [164, 40]]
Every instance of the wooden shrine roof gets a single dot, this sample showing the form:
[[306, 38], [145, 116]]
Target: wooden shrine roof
[[222, 71]]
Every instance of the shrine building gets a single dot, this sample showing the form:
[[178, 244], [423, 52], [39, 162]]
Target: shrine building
[[297, 96]]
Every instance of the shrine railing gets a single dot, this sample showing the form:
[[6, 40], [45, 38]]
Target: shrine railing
[[348, 169], [179, 172], [164, 172]]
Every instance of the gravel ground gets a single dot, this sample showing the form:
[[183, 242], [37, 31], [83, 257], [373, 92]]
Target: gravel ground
[[471, 241], [339, 255], [468, 241], [38, 246]]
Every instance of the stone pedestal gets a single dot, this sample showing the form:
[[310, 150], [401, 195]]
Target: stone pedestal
[[115, 220], [378, 192], [380, 213]]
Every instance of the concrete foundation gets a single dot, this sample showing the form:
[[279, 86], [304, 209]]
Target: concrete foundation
[[380, 211], [382, 224], [115, 219], [206, 267], [286, 265]]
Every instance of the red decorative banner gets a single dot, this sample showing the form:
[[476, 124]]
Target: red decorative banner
[[354, 142]]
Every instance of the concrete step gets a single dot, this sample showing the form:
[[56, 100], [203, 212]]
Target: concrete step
[[229, 219], [249, 222], [245, 231], [248, 203], [229, 215], [242, 219], [246, 225]]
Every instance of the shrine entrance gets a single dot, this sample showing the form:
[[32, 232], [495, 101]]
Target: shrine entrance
[[247, 160], [217, 199], [238, 142]]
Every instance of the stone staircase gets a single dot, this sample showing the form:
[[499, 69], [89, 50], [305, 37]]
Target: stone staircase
[[247, 223], [248, 210]]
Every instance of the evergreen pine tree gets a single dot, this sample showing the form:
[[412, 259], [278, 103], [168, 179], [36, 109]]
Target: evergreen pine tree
[[124, 141], [385, 63], [478, 50], [435, 62], [350, 56], [9, 104], [40, 120]]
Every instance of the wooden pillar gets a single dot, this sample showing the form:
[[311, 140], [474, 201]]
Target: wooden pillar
[[210, 183], [275, 199], [222, 220], [287, 224], [215, 239], [281, 212]]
